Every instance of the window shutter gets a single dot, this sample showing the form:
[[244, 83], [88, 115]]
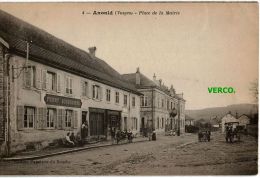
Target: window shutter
[[38, 123], [58, 124], [75, 119], [101, 93], [38, 78], [83, 89], [63, 115], [89, 91], [20, 117], [27, 77], [44, 79], [58, 83], [71, 85], [44, 118]]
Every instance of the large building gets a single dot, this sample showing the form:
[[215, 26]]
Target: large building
[[49, 87], [161, 108]]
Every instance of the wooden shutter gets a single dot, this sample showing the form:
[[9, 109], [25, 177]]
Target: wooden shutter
[[38, 123], [38, 77], [44, 79], [44, 118], [63, 115], [89, 90], [20, 117], [58, 124], [83, 89], [100, 93], [58, 85], [27, 76], [71, 85], [75, 119]]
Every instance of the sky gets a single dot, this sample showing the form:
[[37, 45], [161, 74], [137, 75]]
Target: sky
[[205, 45]]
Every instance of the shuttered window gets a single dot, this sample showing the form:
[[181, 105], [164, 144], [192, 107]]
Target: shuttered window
[[133, 101], [51, 81], [29, 116], [84, 89], [125, 100], [68, 118], [108, 94], [117, 97], [69, 84], [97, 92], [51, 115]]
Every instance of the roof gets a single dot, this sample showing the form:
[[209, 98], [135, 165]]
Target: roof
[[145, 83], [188, 118], [47, 49]]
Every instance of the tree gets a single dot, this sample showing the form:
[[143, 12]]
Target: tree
[[254, 90]]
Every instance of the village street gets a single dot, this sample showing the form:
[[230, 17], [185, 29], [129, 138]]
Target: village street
[[169, 155]]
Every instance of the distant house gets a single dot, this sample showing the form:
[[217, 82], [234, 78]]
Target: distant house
[[189, 120], [244, 120], [214, 122], [228, 118]]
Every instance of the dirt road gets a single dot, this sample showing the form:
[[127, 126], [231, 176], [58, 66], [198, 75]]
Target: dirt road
[[169, 155]]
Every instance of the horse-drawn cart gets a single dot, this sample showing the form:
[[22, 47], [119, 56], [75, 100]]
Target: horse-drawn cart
[[204, 136], [232, 134]]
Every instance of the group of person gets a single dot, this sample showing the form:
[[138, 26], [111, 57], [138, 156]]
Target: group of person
[[117, 134], [72, 140]]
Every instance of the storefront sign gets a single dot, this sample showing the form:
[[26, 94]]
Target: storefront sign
[[62, 101]]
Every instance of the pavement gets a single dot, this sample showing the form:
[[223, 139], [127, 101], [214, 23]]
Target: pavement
[[48, 152]]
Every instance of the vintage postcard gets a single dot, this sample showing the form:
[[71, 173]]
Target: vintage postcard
[[120, 88]]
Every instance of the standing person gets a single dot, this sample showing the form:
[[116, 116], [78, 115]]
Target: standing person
[[84, 130], [113, 134]]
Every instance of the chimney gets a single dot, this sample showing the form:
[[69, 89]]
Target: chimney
[[92, 51], [137, 77], [154, 77]]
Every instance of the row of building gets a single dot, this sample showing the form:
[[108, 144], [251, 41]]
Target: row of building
[[49, 87]]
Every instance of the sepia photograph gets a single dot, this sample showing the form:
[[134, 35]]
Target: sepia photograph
[[129, 88]]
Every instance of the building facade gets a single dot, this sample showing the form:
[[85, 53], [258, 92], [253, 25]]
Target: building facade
[[161, 108], [49, 88]]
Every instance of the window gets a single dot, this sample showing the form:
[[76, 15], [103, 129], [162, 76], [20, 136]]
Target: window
[[96, 92], [51, 82], [158, 123], [29, 114], [162, 103], [171, 106], [133, 101], [144, 101], [84, 88], [134, 122], [125, 100], [168, 104], [162, 122], [117, 97], [68, 118], [108, 94], [51, 114], [68, 85]]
